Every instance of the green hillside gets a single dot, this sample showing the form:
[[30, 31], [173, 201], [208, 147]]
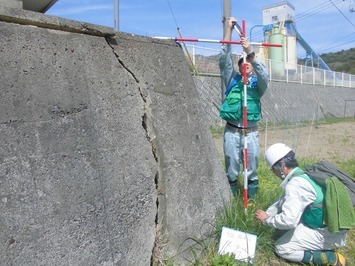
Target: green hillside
[[343, 61]]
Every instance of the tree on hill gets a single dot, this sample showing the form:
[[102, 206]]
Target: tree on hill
[[343, 61]]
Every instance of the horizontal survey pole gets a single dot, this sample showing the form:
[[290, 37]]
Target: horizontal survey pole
[[217, 41]]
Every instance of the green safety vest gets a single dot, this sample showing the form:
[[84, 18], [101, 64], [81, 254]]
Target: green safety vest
[[232, 107], [314, 215]]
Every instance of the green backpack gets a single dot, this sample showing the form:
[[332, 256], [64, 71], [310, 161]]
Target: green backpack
[[324, 170], [339, 190]]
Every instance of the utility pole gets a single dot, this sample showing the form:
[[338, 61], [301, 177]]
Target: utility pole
[[226, 16], [116, 15]]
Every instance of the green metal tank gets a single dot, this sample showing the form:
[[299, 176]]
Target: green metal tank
[[277, 53]]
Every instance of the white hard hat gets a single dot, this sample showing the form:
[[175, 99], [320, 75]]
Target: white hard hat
[[276, 152]]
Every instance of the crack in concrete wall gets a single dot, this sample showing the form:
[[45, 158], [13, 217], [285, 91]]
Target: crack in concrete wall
[[112, 42], [151, 137], [138, 201]]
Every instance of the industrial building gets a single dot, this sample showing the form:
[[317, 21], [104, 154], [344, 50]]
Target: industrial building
[[279, 26]]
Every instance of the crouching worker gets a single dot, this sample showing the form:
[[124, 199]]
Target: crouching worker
[[304, 237]]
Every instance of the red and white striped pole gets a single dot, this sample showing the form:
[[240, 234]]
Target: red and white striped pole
[[245, 82], [245, 123], [217, 41]]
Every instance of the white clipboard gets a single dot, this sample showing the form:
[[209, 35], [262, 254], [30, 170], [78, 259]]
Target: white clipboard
[[241, 244]]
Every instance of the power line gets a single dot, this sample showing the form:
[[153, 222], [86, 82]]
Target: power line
[[338, 35], [172, 13], [321, 7], [342, 13], [338, 45], [314, 10]]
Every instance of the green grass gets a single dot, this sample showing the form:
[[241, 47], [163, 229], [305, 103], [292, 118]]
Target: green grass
[[233, 215], [217, 132], [205, 252]]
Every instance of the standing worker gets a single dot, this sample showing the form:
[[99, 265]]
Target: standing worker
[[299, 214], [232, 111]]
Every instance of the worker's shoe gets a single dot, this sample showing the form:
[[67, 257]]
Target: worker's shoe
[[341, 261]]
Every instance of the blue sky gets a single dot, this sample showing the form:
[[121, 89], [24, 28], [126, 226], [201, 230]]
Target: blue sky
[[326, 25]]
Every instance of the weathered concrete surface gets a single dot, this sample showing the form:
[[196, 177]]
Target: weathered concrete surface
[[102, 143], [11, 3]]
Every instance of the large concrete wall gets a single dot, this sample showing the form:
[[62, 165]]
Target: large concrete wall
[[104, 149]]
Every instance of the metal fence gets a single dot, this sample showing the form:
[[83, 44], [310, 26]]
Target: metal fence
[[204, 62]]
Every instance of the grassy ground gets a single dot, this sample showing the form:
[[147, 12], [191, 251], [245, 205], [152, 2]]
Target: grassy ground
[[235, 216]]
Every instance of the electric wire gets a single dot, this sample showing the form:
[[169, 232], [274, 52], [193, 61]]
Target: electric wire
[[304, 15], [336, 40], [335, 46], [258, 34], [314, 10], [342, 13], [336, 35], [172, 13]]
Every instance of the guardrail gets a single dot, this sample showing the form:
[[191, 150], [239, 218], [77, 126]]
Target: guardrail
[[204, 62]]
